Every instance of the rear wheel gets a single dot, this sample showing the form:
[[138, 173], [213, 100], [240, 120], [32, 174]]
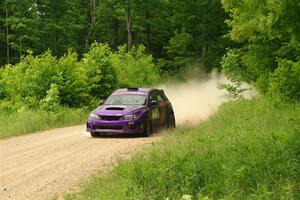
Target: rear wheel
[[171, 122], [93, 134]]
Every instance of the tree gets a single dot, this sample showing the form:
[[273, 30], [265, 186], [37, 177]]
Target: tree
[[102, 75], [268, 38]]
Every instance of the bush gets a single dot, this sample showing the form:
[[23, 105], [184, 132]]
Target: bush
[[100, 72], [73, 85], [285, 81], [52, 100], [134, 68]]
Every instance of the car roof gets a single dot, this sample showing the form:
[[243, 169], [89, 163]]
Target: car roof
[[133, 91]]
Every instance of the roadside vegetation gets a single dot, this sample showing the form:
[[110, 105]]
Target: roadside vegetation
[[57, 56], [248, 150], [29, 121], [44, 91]]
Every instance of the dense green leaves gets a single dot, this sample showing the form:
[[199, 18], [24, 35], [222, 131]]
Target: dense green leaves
[[134, 68], [37, 26], [285, 81], [101, 74], [268, 52], [46, 82], [79, 47]]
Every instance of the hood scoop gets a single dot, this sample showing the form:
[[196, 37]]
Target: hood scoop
[[114, 108]]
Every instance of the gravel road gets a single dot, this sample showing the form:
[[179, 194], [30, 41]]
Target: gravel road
[[41, 165]]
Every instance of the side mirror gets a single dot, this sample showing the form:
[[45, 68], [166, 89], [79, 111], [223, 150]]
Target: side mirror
[[101, 102], [154, 102]]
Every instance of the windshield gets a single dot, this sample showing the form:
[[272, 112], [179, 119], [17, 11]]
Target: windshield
[[126, 99]]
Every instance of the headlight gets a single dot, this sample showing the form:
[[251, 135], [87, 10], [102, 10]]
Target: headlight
[[129, 117], [94, 116]]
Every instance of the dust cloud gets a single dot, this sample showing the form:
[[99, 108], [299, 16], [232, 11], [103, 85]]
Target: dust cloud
[[195, 100]]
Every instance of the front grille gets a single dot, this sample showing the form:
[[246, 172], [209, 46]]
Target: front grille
[[108, 127], [110, 118]]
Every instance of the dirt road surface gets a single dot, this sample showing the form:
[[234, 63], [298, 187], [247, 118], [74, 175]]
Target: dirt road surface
[[41, 165]]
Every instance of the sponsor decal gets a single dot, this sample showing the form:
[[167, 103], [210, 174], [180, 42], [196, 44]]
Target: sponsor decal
[[155, 113]]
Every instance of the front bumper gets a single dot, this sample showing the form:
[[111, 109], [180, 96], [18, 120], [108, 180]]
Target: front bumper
[[115, 127]]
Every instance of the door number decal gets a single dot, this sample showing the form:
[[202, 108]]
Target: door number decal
[[155, 113]]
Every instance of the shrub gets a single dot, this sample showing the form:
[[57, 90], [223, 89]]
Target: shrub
[[285, 81], [73, 83], [52, 100], [100, 72], [134, 68]]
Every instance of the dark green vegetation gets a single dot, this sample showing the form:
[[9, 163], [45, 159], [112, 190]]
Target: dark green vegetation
[[175, 31], [248, 150]]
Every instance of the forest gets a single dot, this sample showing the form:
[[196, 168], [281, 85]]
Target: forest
[[58, 59], [69, 54]]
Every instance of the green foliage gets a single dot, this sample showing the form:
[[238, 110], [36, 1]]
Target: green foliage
[[234, 89], [28, 121], [43, 88], [267, 32], [45, 83], [37, 26], [30, 79], [2, 89], [100, 72], [248, 150], [285, 81], [134, 68], [73, 81], [40, 25], [51, 101], [179, 53]]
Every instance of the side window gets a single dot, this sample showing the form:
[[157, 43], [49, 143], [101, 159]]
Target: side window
[[159, 98], [152, 96], [156, 96]]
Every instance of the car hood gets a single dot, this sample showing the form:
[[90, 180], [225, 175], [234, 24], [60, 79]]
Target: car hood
[[118, 110]]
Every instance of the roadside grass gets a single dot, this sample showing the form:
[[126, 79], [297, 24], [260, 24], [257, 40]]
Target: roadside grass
[[250, 149], [20, 123]]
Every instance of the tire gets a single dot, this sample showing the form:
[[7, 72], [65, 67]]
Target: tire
[[148, 129], [171, 122], [93, 134]]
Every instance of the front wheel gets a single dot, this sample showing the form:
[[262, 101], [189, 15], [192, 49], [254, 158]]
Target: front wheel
[[171, 122], [147, 129], [93, 134]]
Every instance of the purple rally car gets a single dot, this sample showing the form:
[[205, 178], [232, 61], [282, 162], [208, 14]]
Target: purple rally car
[[132, 110]]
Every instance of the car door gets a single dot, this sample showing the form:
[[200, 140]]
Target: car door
[[162, 107], [154, 109]]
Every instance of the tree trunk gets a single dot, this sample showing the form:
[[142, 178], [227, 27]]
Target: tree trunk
[[115, 33], [93, 8], [128, 25], [7, 32], [93, 21], [55, 41]]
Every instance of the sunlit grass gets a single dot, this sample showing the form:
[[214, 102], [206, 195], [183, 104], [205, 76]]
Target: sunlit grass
[[248, 150], [19, 123]]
